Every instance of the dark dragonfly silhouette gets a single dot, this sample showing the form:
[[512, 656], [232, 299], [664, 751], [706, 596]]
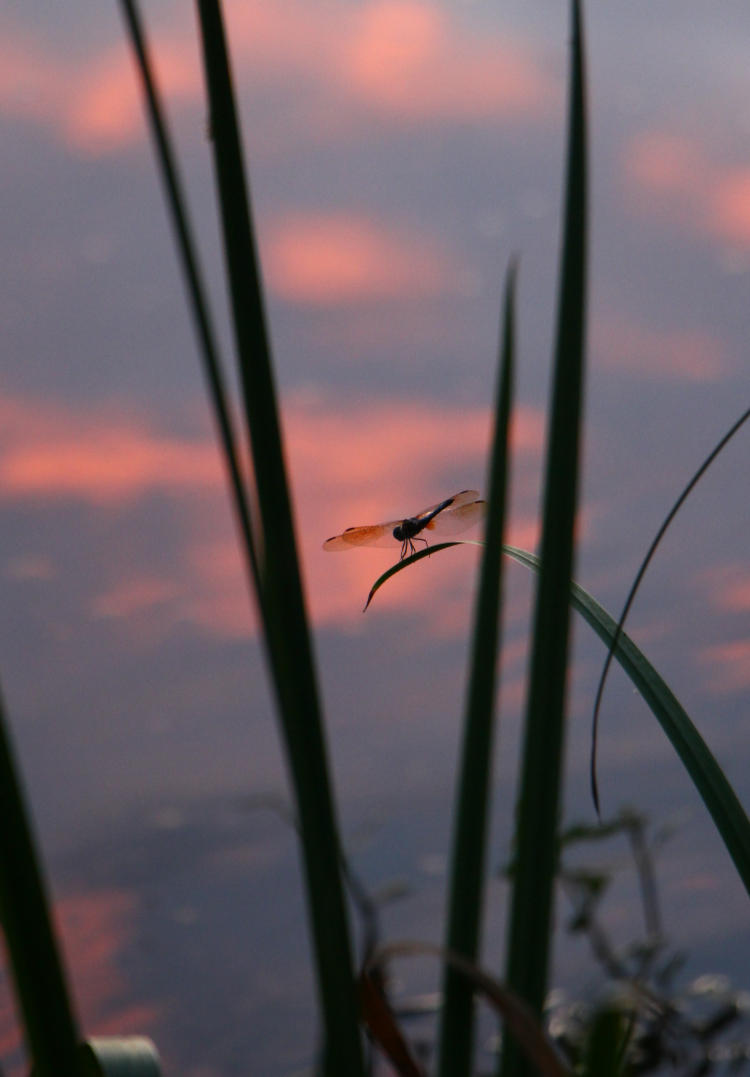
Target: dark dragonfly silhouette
[[449, 517]]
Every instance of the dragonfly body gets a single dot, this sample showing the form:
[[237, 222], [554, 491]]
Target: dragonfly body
[[448, 517], [408, 530]]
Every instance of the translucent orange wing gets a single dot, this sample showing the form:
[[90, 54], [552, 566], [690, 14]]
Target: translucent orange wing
[[461, 511], [374, 535], [452, 521], [460, 498]]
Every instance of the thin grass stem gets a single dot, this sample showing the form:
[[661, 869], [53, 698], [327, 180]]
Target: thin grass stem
[[198, 302]]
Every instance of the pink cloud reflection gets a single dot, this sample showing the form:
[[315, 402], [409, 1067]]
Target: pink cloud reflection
[[728, 588], [96, 929], [404, 59], [54, 453], [92, 103], [412, 60], [350, 464], [644, 351], [728, 666], [104, 109], [340, 258], [675, 176]]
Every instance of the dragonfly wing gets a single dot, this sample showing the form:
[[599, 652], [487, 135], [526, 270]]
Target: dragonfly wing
[[458, 513], [375, 535], [452, 521], [449, 503]]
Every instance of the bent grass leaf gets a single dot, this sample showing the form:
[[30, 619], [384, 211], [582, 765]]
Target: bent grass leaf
[[525, 1026], [383, 1028], [407, 561], [709, 779], [655, 543]]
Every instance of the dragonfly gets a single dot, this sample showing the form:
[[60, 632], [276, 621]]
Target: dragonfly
[[449, 517]]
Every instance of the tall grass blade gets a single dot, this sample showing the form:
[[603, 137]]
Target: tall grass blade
[[198, 302], [709, 779], [282, 601], [472, 800], [36, 966], [637, 583], [530, 923]]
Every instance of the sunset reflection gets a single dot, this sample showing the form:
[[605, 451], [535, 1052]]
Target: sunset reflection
[[396, 453], [96, 929], [406, 58], [695, 190], [400, 154]]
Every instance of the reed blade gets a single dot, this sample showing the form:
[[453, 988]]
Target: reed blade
[[466, 877], [530, 922]]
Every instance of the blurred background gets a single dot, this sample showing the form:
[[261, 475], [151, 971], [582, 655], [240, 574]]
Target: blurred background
[[400, 152]]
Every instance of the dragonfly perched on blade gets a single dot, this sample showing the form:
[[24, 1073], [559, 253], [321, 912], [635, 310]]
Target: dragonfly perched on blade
[[449, 517]]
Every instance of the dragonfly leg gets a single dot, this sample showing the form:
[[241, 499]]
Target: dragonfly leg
[[407, 546]]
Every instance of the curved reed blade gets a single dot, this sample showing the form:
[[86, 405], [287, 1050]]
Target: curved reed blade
[[709, 779], [411, 559], [634, 590], [525, 1025]]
